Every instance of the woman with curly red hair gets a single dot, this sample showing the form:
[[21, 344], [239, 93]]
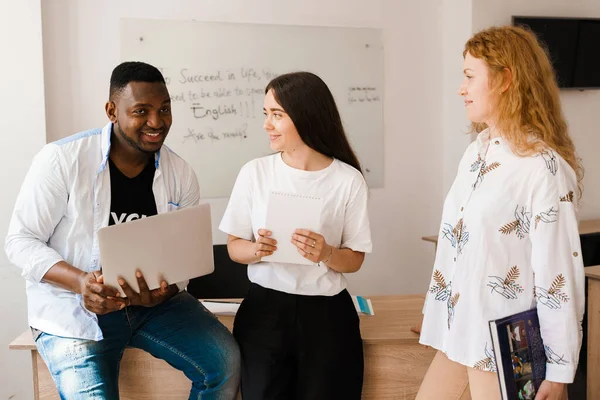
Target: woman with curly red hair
[[509, 238]]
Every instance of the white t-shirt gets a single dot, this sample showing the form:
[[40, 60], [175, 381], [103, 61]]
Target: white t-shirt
[[344, 221]]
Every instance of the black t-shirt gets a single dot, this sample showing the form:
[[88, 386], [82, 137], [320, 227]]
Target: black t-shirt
[[131, 198]]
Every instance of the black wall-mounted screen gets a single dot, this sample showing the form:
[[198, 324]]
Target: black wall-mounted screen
[[574, 47]]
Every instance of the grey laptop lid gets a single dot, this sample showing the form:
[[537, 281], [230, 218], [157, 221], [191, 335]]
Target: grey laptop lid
[[175, 246]]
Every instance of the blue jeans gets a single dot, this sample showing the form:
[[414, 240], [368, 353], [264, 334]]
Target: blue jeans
[[180, 331]]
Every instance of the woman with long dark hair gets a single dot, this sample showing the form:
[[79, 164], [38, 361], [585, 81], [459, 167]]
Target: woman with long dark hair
[[297, 328]]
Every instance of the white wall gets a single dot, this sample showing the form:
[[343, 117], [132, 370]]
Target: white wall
[[23, 134], [409, 206], [81, 43], [580, 108], [456, 30]]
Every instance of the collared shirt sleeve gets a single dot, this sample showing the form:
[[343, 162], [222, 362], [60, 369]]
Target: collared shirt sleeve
[[39, 207], [190, 197], [558, 270], [191, 193]]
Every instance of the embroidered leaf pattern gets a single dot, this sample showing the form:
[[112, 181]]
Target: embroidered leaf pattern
[[458, 229], [512, 275], [490, 167], [554, 296], [452, 301], [477, 164], [483, 364], [457, 235], [487, 363], [567, 198], [439, 278], [483, 168], [509, 228], [441, 290], [557, 284], [507, 287], [440, 282], [555, 288], [520, 225]]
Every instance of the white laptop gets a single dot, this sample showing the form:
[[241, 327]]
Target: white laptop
[[174, 246]]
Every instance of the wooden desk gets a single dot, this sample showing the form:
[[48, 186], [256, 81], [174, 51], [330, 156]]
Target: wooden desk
[[585, 227], [589, 226], [593, 332], [431, 239], [394, 361]]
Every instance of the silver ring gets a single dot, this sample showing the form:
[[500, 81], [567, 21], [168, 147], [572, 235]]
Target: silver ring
[[314, 243]]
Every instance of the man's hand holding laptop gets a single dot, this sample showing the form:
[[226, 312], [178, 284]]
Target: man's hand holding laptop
[[103, 299], [147, 297], [97, 297]]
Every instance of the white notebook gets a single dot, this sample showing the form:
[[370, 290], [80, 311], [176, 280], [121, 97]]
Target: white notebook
[[221, 307], [287, 212]]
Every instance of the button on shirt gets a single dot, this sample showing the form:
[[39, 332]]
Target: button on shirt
[[508, 242], [65, 199]]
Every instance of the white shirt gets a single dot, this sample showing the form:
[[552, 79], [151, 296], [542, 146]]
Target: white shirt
[[344, 221], [508, 242], [65, 199]]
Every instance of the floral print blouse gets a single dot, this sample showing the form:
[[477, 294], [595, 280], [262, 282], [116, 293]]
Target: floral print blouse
[[508, 242]]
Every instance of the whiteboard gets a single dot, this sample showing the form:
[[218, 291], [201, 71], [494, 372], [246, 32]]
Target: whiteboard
[[216, 74]]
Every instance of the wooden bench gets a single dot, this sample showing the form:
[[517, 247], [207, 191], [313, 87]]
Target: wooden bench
[[395, 363]]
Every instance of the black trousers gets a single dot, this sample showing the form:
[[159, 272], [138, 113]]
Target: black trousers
[[299, 347]]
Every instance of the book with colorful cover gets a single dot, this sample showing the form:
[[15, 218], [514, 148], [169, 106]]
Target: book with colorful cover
[[520, 355], [363, 305]]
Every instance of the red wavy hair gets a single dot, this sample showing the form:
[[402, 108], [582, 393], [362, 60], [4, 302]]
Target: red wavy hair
[[531, 103]]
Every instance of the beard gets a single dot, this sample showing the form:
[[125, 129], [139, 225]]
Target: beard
[[131, 142]]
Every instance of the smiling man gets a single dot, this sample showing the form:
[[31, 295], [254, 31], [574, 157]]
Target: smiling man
[[75, 187]]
